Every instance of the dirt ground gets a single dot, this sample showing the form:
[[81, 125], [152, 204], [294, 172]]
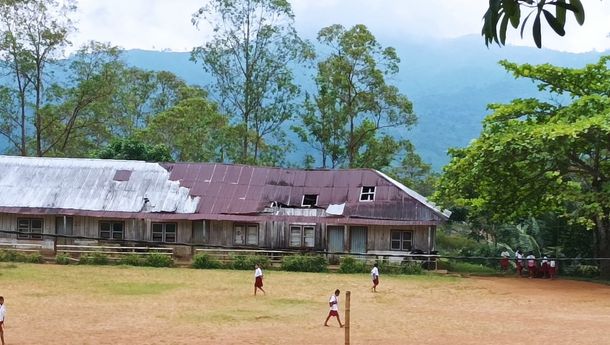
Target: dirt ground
[[49, 304]]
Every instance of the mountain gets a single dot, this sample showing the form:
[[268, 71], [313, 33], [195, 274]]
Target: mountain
[[450, 83]]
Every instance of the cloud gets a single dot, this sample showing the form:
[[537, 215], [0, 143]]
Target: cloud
[[166, 24]]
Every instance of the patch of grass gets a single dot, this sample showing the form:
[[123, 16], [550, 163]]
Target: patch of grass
[[135, 289], [465, 267], [290, 301]]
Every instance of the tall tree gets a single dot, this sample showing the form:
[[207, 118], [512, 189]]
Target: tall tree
[[33, 34], [534, 157], [354, 107], [253, 47]]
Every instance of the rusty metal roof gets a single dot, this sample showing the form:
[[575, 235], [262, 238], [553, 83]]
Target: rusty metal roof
[[92, 185], [242, 189], [128, 189]]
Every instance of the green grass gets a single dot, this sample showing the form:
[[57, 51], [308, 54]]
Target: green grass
[[465, 267]]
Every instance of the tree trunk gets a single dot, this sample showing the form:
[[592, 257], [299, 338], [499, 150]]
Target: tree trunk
[[603, 246]]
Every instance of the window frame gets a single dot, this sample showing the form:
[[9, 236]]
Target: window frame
[[370, 193], [309, 197], [164, 232], [245, 238], [302, 235], [402, 240], [28, 234], [111, 231]]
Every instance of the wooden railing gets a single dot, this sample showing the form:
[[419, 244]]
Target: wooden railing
[[227, 255], [73, 249], [21, 247]]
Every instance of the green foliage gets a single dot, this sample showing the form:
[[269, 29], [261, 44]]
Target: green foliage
[[16, 256], [536, 157], [585, 271], [502, 12], [353, 265], [133, 149], [158, 260], [467, 267], [409, 267], [94, 259], [304, 263], [131, 260], [205, 261], [193, 130], [62, 259], [247, 262]]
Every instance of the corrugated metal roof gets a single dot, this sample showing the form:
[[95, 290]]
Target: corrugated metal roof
[[239, 189], [209, 191], [91, 184]]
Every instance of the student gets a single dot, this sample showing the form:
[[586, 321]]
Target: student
[[375, 276], [531, 265], [544, 266], [519, 262], [258, 279], [2, 315], [552, 268], [504, 261], [334, 308]]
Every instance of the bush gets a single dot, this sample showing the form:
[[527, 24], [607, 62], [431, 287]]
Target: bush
[[205, 261], [34, 258], [585, 271], [94, 259], [158, 260], [409, 267], [352, 265], [15, 256], [62, 259], [131, 260], [304, 263], [247, 262]]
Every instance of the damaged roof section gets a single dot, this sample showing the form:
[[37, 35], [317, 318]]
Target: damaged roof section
[[241, 189], [91, 184]]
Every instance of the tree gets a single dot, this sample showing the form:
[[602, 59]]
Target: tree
[[503, 12], [354, 107], [74, 118], [193, 130], [133, 149], [33, 34], [250, 55], [536, 157]]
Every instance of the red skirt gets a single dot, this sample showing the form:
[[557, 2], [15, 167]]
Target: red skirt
[[333, 313], [376, 281], [258, 282], [552, 270], [504, 263]]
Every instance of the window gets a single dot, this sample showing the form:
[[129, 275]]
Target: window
[[367, 194], [111, 230], [302, 236], [64, 225], [245, 234], [200, 230], [310, 200], [401, 240], [29, 228], [164, 232]]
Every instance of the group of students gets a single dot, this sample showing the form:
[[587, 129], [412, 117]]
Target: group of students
[[546, 269], [333, 302]]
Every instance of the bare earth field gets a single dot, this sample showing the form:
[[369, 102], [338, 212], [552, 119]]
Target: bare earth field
[[49, 304]]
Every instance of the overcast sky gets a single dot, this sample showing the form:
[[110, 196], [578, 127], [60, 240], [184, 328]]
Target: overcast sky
[[165, 24]]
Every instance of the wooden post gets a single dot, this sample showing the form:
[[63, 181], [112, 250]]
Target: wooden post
[[347, 309]]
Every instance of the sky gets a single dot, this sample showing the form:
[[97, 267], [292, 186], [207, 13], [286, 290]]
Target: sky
[[166, 24]]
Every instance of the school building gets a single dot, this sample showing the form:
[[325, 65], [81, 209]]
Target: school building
[[360, 211]]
